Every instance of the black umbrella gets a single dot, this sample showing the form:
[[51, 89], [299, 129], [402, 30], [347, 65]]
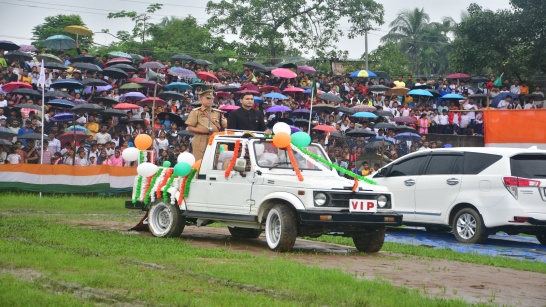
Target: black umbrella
[[378, 88], [385, 126], [86, 108], [336, 135], [87, 66], [26, 91], [478, 96], [324, 107], [135, 120], [32, 136], [113, 112], [151, 65], [94, 82], [434, 93], [8, 46], [115, 73], [378, 143], [330, 97], [27, 106], [18, 56], [228, 88], [186, 133], [383, 113], [105, 100], [182, 57], [135, 56], [124, 67], [6, 133], [404, 128], [256, 66], [83, 58], [360, 132], [287, 65], [171, 95], [201, 62], [300, 122], [535, 96], [172, 117], [55, 65], [5, 142], [479, 79], [346, 110], [57, 94], [67, 83]]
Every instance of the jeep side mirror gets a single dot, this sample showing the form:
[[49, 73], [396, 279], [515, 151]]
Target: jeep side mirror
[[381, 173], [240, 165]]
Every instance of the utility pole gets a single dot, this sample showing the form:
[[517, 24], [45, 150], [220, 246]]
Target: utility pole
[[366, 42]]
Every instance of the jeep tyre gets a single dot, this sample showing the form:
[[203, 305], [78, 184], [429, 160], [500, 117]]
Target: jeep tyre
[[164, 220], [244, 233], [541, 238], [468, 227], [370, 242], [281, 228]]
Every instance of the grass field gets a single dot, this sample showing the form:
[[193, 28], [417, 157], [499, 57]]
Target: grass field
[[45, 261]]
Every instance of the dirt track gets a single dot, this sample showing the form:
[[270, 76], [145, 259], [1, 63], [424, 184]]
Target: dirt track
[[441, 278]]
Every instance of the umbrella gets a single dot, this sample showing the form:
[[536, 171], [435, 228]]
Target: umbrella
[[135, 95], [383, 113], [116, 61], [228, 88], [269, 88], [434, 93], [87, 66], [57, 94], [8, 46], [17, 55], [94, 82], [182, 73], [63, 117], [330, 97], [6, 133], [364, 115], [405, 119], [113, 113], [59, 42], [458, 76], [5, 142], [385, 126], [126, 106], [378, 88], [478, 96], [171, 95], [399, 91], [324, 107], [224, 95], [151, 65], [119, 54], [55, 65], [228, 108], [26, 91], [534, 96], [172, 117], [325, 128], [420, 93], [49, 58], [115, 73], [98, 89], [78, 30], [27, 48], [131, 86], [181, 86], [124, 67], [150, 84], [87, 108], [77, 128], [201, 62], [150, 102], [67, 83], [105, 100], [306, 69], [135, 120], [60, 103], [404, 128], [182, 57], [364, 108], [308, 91], [258, 100], [360, 132], [301, 122], [345, 110], [286, 65], [479, 79], [301, 111], [8, 87], [256, 66], [77, 136], [378, 144], [275, 96], [251, 87], [502, 96], [362, 74], [32, 136], [294, 129], [207, 76], [82, 58], [136, 80], [408, 136], [453, 97], [278, 109], [135, 56], [284, 73], [293, 90], [195, 85]]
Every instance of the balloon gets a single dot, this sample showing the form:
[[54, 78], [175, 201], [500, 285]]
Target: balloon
[[143, 141], [166, 163], [301, 139], [221, 148], [186, 157], [197, 164], [147, 169], [281, 127], [182, 169], [282, 139], [130, 154], [259, 148]]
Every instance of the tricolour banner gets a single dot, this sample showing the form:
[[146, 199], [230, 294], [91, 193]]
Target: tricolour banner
[[515, 128]]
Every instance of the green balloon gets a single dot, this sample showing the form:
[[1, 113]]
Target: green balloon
[[221, 148], [301, 139], [166, 163], [182, 169]]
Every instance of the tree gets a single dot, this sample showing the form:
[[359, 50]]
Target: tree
[[308, 25], [54, 25], [389, 58], [140, 29]]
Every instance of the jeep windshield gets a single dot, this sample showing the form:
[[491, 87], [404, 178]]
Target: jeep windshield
[[272, 157]]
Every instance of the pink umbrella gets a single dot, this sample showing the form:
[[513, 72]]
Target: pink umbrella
[[224, 95], [248, 92], [364, 108], [250, 87], [306, 69], [405, 119], [136, 80], [458, 76], [325, 128], [207, 76], [150, 101], [228, 108], [126, 106], [118, 61], [284, 73], [8, 87], [269, 88], [293, 90], [71, 136], [27, 48]]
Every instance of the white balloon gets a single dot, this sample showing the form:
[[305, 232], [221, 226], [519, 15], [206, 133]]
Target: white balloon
[[130, 154], [186, 157], [259, 148], [147, 169], [281, 127]]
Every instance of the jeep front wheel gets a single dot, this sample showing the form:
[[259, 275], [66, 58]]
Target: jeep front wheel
[[370, 242], [164, 220], [281, 228], [244, 233]]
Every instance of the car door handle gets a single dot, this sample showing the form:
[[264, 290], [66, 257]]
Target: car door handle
[[452, 181], [409, 182], [212, 178]]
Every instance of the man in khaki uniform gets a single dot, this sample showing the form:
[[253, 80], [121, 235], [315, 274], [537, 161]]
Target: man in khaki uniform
[[204, 121]]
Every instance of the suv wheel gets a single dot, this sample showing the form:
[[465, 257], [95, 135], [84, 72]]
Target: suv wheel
[[165, 221], [370, 242], [541, 238], [468, 227], [244, 233], [281, 228]]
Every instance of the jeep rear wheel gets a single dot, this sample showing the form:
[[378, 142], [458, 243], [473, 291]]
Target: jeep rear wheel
[[541, 238], [281, 228], [244, 233], [468, 227], [370, 242], [165, 221]]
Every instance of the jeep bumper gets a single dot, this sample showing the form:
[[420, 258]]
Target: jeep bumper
[[344, 219], [138, 205]]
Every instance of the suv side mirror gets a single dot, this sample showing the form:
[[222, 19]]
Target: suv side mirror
[[240, 165]]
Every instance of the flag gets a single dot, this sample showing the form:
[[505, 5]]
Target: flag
[[314, 87], [498, 82], [42, 80]]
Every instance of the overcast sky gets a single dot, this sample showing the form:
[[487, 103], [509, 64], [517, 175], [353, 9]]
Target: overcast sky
[[19, 17]]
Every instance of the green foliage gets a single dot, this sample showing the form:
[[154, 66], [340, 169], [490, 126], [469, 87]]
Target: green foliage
[[54, 25], [389, 58], [141, 26], [311, 25]]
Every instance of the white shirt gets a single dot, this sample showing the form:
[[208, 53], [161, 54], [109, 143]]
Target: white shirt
[[468, 106], [14, 158], [529, 106], [102, 138], [3, 103], [405, 111], [443, 119], [465, 121], [503, 105], [515, 89], [55, 145]]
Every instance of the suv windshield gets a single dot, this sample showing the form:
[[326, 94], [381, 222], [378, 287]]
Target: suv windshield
[[269, 156], [529, 165]]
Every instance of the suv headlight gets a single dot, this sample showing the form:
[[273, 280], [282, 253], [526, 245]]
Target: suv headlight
[[382, 201], [321, 199]]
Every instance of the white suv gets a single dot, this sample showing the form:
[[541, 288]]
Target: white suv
[[473, 191]]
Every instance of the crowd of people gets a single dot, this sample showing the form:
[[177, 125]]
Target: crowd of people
[[109, 134]]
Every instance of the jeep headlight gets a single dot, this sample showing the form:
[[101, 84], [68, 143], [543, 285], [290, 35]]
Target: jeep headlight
[[321, 199], [382, 201]]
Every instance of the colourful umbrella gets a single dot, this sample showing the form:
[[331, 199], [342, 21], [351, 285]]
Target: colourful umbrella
[[182, 73], [63, 117], [308, 92], [258, 100], [306, 69], [269, 88], [284, 73], [207, 76], [364, 115], [398, 91], [119, 54], [70, 137], [78, 30], [228, 108], [149, 101], [293, 90], [362, 74], [98, 89], [405, 119], [275, 96], [126, 106], [278, 109], [131, 86], [325, 128], [135, 95], [27, 48], [59, 42], [8, 87], [453, 97], [77, 128], [136, 80], [458, 76], [408, 136], [420, 93], [118, 61], [181, 86], [152, 65], [364, 108], [251, 87]]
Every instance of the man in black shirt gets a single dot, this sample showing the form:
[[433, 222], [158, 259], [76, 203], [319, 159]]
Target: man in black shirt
[[246, 118]]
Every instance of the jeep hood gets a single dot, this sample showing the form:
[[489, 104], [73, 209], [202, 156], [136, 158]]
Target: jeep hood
[[316, 182]]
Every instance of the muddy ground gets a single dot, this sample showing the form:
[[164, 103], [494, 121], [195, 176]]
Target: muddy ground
[[439, 278]]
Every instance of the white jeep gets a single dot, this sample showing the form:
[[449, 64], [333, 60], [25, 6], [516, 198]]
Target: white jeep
[[259, 190]]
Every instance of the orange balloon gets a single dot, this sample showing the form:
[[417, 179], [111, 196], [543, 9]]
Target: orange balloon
[[282, 140], [143, 141], [197, 164]]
